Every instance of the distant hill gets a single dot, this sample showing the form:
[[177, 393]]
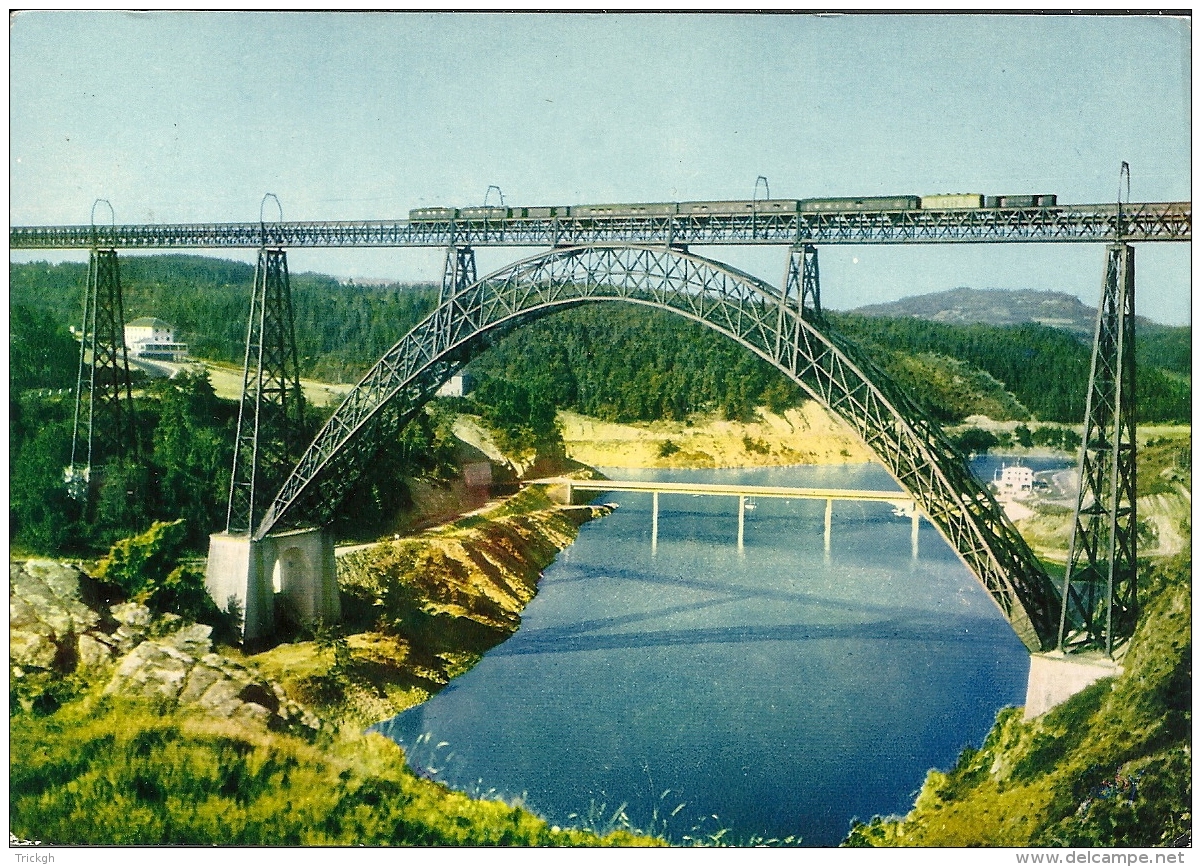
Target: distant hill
[[1165, 346], [964, 306]]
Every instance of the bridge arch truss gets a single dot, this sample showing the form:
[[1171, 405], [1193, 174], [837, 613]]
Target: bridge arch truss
[[767, 321]]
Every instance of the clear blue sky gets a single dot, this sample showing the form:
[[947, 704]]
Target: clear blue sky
[[193, 116]]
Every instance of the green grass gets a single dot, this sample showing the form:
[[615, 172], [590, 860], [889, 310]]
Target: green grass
[[419, 611], [94, 770], [953, 389], [106, 772]]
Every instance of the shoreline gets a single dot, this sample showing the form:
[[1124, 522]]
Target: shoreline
[[472, 534], [420, 610]]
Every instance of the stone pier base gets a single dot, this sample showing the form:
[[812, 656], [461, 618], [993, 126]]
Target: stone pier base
[[1056, 677], [297, 567], [569, 495]]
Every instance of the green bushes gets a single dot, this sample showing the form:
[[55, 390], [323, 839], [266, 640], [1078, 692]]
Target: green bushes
[[519, 418], [1053, 436], [974, 441], [145, 568], [185, 437]]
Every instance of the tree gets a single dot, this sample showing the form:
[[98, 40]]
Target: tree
[[425, 447], [193, 446], [974, 440], [41, 353], [519, 419], [147, 569], [41, 515], [126, 499]]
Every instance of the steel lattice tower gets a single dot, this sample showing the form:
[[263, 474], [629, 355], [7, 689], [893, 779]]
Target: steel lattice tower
[[1100, 599], [801, 285], [110, 431], [459, 272], [802, 280], [271, 420]]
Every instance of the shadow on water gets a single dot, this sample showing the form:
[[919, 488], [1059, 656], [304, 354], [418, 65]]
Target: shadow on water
[[568, 640], [724, 589]]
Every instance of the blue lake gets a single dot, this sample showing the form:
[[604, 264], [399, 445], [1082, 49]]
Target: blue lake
[[775, 691]]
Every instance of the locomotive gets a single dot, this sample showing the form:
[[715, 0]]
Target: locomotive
[[765, 207]]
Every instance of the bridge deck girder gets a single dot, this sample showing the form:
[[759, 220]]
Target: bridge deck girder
[[1140, 221]]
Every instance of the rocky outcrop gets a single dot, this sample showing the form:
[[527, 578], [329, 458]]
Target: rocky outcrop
[[48, 618], [182, 668], [59, 625]]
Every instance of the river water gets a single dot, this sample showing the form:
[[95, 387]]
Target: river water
[[687, 687]]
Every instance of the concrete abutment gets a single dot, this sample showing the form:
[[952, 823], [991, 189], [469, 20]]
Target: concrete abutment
[[1055, 677], [296, 568]]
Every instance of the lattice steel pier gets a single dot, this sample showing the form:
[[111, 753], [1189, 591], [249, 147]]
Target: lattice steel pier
[[1100, 584], [271, 420], [106, 429]]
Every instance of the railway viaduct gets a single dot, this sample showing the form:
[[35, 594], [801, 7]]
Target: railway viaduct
[[284, 492]]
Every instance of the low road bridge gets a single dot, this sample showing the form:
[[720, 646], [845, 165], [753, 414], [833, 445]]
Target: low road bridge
[[565, 488], [726, 490]]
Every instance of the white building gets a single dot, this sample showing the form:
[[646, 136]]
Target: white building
[[153, 338], [1014, 481], [459, 385]]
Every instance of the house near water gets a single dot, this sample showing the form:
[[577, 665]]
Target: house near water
[[1014, 481]]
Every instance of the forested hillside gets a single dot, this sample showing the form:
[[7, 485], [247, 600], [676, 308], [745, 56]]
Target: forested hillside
[[1046, 369], [341, 330], [967, 306], [631, 364]]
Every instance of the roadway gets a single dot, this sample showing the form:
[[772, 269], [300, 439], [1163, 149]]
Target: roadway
[[729, 490], [227, 380]]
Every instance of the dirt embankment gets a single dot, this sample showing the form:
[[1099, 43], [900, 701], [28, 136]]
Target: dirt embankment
[[804, 435], [420, 610], [1164, 525]]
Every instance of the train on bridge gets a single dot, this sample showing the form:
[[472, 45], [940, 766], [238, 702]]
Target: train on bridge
[[755, 207]]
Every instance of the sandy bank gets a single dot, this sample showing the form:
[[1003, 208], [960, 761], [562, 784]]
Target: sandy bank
[[804, 435]]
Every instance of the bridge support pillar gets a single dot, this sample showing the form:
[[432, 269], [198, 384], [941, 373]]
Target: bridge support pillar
[[1055, 677], [654, 521], [741, 520], [914, 531], [293, 570], [1100, 603], [802, 281], [104, 425], [563, 494], [270, 435], [826, 533], [457, 274]]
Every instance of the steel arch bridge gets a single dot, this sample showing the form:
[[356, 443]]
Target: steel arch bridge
[[774, 324]]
